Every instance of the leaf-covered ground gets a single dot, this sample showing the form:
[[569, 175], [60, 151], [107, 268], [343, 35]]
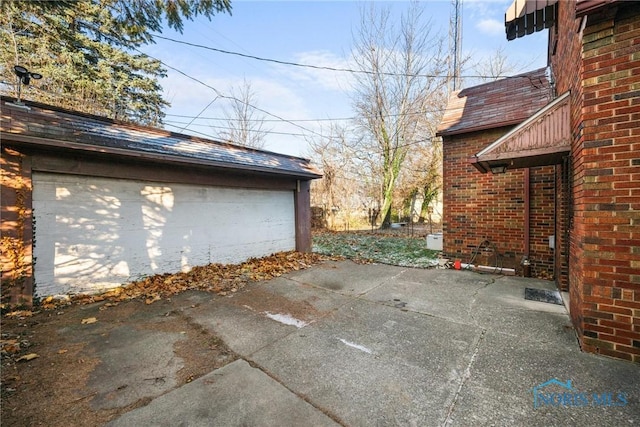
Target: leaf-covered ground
[[45, 367], [217, 278], [373, 247]]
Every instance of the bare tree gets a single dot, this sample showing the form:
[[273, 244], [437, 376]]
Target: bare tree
[[495, 67], [245, 125], [339, 191], [420, 181], [399, 96]]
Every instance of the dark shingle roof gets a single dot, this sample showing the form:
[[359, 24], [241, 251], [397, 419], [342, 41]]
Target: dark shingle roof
[[491, 105], [54, 127]]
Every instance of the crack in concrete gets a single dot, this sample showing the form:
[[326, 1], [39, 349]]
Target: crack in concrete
[[475, 297], [304, 397], [465, 378], [383, 282]]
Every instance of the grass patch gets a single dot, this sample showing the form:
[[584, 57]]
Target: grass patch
[[402, 251]]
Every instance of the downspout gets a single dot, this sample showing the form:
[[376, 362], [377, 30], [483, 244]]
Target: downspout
[[526, 262]]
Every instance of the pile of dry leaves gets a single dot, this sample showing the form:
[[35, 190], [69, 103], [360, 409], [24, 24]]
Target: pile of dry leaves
[[218, 278]]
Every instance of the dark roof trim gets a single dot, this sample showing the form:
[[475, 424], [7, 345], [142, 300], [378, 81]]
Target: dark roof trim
[[479, 128]]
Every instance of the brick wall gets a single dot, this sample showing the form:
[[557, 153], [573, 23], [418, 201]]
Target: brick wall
[[610, 196], [601, 66], [563, 223], [565, 46], [479, 207], [542, 220]]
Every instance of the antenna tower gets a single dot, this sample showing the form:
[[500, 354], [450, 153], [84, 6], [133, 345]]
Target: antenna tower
[[455, 44]]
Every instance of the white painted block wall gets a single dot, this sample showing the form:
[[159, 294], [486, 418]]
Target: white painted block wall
[[94, 233]]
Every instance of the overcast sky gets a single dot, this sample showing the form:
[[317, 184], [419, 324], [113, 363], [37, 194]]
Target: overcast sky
[[308, 32]]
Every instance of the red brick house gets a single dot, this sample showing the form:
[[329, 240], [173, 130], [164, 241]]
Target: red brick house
[[519, 168]]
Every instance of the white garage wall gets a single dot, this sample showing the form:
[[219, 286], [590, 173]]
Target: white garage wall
[[96, 233]]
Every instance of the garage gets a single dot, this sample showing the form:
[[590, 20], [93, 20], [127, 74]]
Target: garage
[[90, 203], [97, 233]]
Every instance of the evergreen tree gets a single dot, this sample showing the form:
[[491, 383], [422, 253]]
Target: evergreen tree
[[86, 51]]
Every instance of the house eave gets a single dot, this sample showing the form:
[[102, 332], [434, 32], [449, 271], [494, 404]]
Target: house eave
[[525, 160], [478, 128], [34, 142], [542, 139]]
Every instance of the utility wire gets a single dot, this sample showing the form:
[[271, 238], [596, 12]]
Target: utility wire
[[322, 67], [221, 95], [182, 116], [201, 111], [180, 125], [335, 119], [176, 123], [194, 131]]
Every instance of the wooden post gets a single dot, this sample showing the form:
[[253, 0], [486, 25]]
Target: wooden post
[[302, 200]]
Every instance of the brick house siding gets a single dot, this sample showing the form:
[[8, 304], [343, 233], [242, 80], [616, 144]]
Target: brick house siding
[[589, 200], [542, 217], [475, 206], [479, 207], [601, 66]]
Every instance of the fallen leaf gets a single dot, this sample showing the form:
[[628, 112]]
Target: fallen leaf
[[89, 320], [20, 313], [62, 351], [222, 279], [27, 357], [152, 300], [10, 346]]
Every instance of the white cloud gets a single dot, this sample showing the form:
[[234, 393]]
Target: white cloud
[[482, 8], [491, 27], [326, 79]]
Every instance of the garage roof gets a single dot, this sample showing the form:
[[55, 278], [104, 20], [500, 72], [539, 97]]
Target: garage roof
[[50, 127], [504, 102]]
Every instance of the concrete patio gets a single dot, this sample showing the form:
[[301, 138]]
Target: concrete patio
[[359, 345]]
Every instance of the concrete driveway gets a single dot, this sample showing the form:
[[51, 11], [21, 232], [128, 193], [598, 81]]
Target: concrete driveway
[[361, 345]]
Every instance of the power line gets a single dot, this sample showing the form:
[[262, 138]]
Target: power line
[[182, 116], [335, 119], [117, 38], [195, 131], [178, 124], [200, 113], [221, 95], [175, 123], [322, 67]]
